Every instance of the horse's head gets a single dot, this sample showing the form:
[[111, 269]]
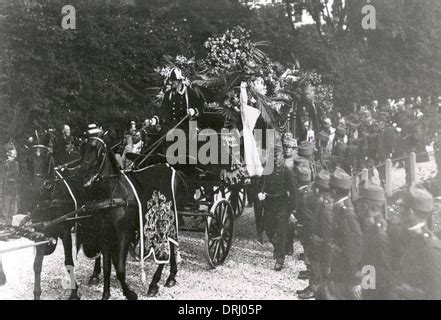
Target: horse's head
[[93, 162], [40, 165]]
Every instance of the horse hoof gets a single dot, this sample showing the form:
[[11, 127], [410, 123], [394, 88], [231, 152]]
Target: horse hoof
[[153, 291], [106, 296], [74, 297], [93, 281], [2, 279], [170, 283], [130, 295]]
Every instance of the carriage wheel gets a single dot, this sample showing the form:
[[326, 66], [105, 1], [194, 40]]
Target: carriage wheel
[[219, 233], [237, 198]]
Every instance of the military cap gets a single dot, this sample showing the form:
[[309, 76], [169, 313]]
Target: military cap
[[9, 146], [303, 173], [417, 198], [305, 149], [322, 179], [288, 141], [340, 131], [299, 161], [371, 191], [340, 179]]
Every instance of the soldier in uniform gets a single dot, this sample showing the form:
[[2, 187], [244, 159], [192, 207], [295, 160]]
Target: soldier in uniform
[[278, 194], [420, 263], [346, 241], [320, 237], [289, 143], [10, 182], [377, 247], [304, 209]]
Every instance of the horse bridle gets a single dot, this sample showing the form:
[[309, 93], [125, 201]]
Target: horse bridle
[[100, 169], [46, 183]]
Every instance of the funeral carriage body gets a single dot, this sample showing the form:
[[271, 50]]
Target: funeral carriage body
[[209, 195]]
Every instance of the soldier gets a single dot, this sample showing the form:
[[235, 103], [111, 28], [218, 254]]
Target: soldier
[[289, 143], [377, 247], [10, 182], [304, 209], [320, 237], [278, 192], [420, 263], [346, 241]]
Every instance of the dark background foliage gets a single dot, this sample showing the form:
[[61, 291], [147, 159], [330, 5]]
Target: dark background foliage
[[102, 70]]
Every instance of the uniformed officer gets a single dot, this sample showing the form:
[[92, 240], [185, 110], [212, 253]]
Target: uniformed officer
[[304, 209], [420, 264], [278, 195], [10, 182], [306, 150], [377, 247], [179, 102], [289, 144], [346, 240], [320, 237]]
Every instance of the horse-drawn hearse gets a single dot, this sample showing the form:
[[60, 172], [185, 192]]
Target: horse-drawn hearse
[[115, 211]]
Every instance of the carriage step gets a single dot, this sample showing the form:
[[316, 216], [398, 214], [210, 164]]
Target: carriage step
[[191, 229]]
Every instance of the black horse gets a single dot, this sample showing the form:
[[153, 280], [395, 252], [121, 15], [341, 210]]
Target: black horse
[[117, 226], [50, 200]]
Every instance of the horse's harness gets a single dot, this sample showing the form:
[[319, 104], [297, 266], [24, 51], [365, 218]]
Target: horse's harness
[[46, 183], [99, 174]]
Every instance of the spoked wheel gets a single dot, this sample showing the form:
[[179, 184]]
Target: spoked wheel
[[219, 233], [237, 197]]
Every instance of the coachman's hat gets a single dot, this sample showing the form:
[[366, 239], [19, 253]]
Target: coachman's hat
[[303, 173], [93, 130], [340, 179], [371, 191], [417, 198], [322, 179]]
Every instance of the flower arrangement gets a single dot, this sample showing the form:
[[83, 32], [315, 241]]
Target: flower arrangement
[[229, 108], [233, 51]]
